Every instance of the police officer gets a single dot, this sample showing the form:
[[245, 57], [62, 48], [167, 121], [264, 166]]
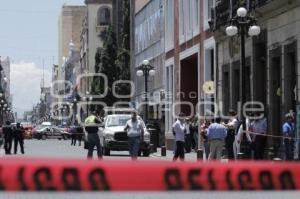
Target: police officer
[[91, 127], [8, 137], [19, 138]]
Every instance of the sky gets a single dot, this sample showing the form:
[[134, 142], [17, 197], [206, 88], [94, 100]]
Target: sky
[[29, 36]]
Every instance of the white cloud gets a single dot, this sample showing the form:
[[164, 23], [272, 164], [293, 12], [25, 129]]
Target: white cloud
[[25, 80]]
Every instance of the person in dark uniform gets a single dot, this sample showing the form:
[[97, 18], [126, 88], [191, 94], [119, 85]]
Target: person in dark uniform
[[79, 131], [73, 132], [8, 137], [91, 127], [18, 138]]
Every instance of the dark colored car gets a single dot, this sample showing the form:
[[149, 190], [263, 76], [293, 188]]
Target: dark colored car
[[50, 132]]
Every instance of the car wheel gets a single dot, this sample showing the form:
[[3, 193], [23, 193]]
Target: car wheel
[[140, 153], [146, 153], [44, 137], [106, 151]]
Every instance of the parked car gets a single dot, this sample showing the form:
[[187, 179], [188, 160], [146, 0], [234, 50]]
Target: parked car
[[50, 132], [116, 139]]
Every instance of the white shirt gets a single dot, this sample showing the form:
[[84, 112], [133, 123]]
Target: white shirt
[[134, 128], [179, 129], [233, 123], [239, 135]]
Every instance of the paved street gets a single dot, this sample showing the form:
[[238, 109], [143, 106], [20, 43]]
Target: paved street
[[63, 149]]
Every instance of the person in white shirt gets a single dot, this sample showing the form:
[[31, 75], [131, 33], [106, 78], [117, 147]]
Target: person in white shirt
[[179, 130], [135, 132], [239, 137]]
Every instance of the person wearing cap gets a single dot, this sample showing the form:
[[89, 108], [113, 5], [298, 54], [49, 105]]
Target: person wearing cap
[[91, 126], [216, 134], [179, 130], [18, 138], [135, 132], [288, 131]]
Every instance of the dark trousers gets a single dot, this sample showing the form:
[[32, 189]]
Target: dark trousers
[[73, 139], [134, 146], [7, 145], [289, 149], [229, 144], [187, 143], [79, 138], [17, 141], [179, 152], [94, 140], [259, 147]]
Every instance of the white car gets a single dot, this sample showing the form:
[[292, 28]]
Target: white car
[[114, 138]]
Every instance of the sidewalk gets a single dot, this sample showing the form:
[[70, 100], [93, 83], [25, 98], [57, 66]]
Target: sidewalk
[[192, 156]]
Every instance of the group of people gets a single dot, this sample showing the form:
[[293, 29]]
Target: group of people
[[219, 136], [13, 134]]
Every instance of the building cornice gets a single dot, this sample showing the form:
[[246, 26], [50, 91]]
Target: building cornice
[[97, 1]]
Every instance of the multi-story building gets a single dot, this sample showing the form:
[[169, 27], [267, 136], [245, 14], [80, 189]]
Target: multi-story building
[[189, 59], [70, 22], [272, 59], [149, 41], [71, 71], [97, 19], [174, 35]]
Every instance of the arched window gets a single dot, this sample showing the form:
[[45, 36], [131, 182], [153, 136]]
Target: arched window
[[104, 17]]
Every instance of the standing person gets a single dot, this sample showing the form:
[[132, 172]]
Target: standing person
[[232, 126], [239, 135], [259, 127], [204, 127], [216, 134], [195, 133], [135, 132], [73, 136], [79, 131], [188, 138], [288, 131], [91, 127], [18, 138], [179, 129], [8, 137]]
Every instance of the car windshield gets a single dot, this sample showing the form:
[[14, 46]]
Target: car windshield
[[117, 120]]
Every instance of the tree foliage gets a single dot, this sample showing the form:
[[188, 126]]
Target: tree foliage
[[113, 60]]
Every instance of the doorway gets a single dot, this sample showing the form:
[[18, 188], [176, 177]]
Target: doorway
[[189, 84]]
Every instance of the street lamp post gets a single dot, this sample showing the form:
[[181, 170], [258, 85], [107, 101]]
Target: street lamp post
[[145, 70], [242, 23], [88, 99]]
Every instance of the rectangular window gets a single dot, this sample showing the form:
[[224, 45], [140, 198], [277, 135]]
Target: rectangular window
[[169, 32], [181, 20], [196, 16], [208, 5], [169, 97]]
